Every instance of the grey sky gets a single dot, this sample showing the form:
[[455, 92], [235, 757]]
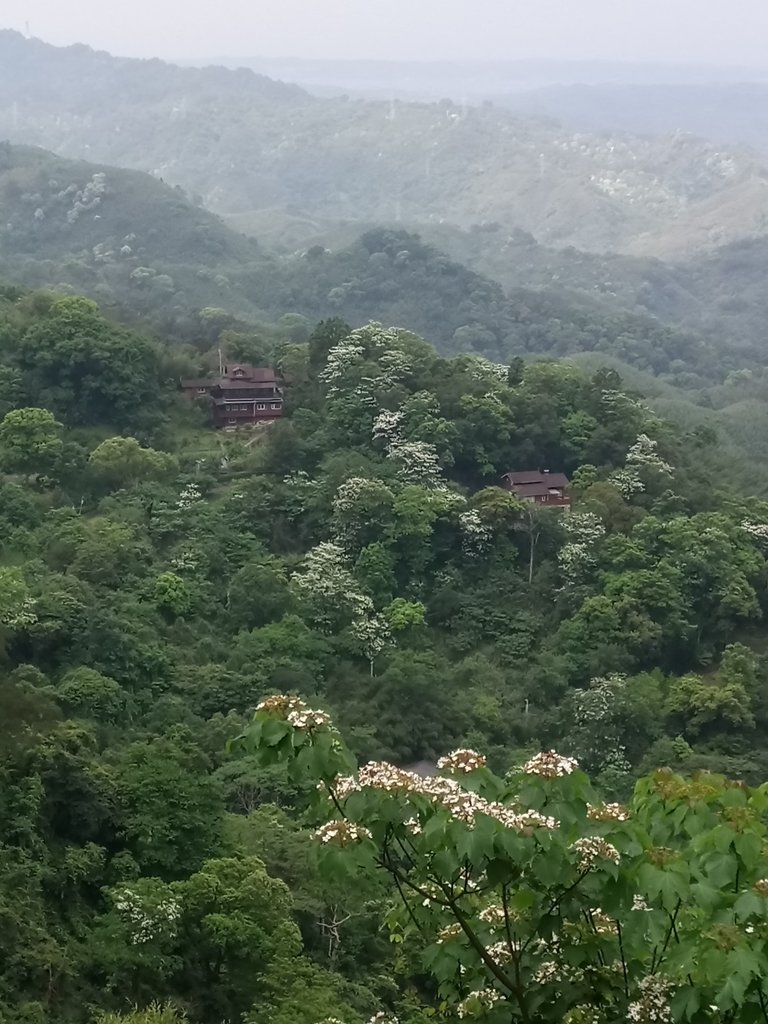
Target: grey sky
[[711, 31]]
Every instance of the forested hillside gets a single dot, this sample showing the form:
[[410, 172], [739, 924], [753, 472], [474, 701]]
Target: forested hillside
[[158, 581], [242, 142], [143, 249]]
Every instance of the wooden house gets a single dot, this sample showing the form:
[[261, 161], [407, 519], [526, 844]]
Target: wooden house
[[241, 396], [540, 486]]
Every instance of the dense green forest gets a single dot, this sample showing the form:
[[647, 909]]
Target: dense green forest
[[242, 142], [159, 580]]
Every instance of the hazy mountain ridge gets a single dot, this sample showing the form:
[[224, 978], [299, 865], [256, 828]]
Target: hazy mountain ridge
[[244, 143], [731, 113], [143, 249]]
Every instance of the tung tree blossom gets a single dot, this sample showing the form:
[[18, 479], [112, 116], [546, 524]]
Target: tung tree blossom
[[417, 461], [475, 534], [584, 530], [644, 452]]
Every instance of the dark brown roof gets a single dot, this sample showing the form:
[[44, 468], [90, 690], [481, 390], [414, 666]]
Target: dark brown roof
[[225, 384], [536, 478], [224, 398], [259, 374]]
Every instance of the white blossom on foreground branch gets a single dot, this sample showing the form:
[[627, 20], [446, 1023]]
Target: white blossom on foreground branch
[[462, 804]]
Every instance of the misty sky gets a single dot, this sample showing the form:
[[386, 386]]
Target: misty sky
[[710, 31]]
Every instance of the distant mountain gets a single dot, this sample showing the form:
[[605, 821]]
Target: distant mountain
[[730, 113], [476, 80], [243, 143]]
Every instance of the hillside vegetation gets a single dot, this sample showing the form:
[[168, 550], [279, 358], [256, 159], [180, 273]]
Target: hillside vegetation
[[242, 142], [157, 582], [143, 248]]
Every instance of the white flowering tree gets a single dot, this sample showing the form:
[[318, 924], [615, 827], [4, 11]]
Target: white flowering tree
[[333, 597], [532, 900], [362, 509], [326, 584], [597, 726], [642, 457], [583, 530], [417, 462]]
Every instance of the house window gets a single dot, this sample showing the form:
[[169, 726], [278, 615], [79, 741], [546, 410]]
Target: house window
[[201, 391], [260, 405], [231, 420], [239, 373], [275, 405]]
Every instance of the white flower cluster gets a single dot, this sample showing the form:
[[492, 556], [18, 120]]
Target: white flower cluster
[[619, 402], [644, 452], [21, 616], [481, 369], [501, 952], [549, 947], [584, 530], [147, 924], [189, 497], [598, 703], [584, 527], [417, 461], [89, 197], [308, 719], [653, 1005], [593, 848], [342, 833], [344, 355], [395, 365], [583, 1014], [387, 425], [639, 903], [550, 765], [294, 711], [355, 489], [608, 812], [573, 559], [477, 1003], [450, 932], [373, 635], [186, 560], [352, 350], [602, 923], [444, 792], [493, 915], [757, 530], [281, 705], [476, 535], [626, 482], [327, 577], [461, 760], [549, 971]]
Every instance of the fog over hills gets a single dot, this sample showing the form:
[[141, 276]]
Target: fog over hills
[[244, 143]]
